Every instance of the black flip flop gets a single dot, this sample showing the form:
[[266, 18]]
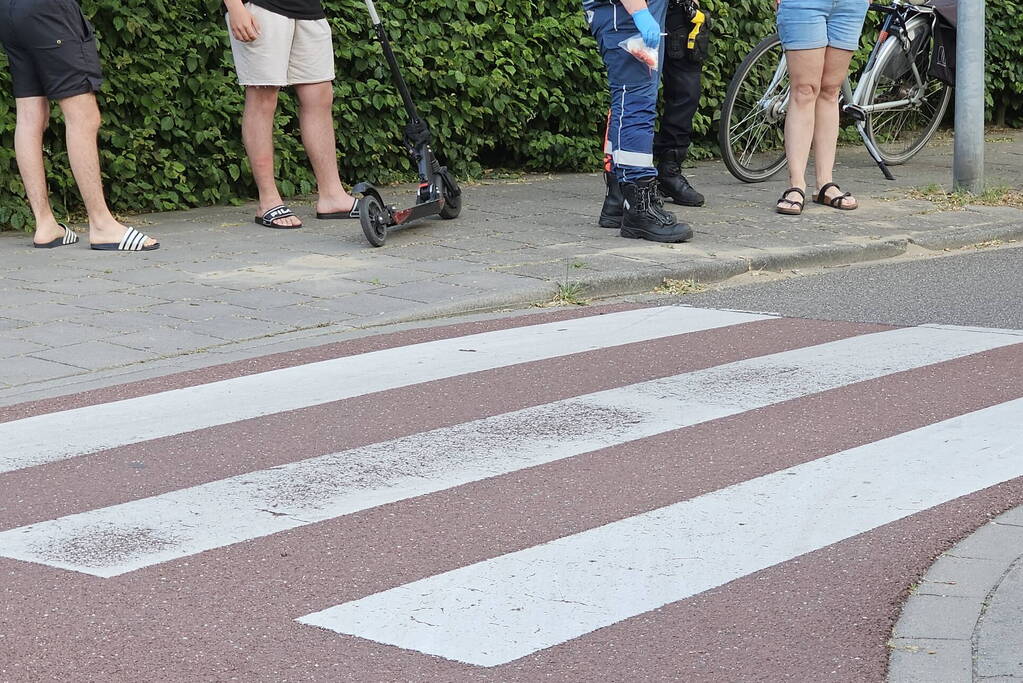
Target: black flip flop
[[132, 240], [275, 214], [791, 202], [69, 238], [340, 215], [837, 201]]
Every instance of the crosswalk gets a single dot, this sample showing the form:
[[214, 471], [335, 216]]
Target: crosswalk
[[661, 384]]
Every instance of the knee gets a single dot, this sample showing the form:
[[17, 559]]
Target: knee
[[86, 120], [319, 97], [261, 99], [830, 91], [806, 93]]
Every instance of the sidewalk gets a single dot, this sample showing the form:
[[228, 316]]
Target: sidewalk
[[964, 621], [222, 288]]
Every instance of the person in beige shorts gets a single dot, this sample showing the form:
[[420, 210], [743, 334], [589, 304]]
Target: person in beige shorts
[[279, 43]]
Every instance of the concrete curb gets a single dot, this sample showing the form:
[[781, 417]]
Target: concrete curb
[[961, 624]]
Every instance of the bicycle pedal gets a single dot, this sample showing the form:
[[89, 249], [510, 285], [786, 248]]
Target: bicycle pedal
[[855, 111]]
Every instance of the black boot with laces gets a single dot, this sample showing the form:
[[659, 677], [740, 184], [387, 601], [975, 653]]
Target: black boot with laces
[[611, 211], [671, 181], [645, 217]]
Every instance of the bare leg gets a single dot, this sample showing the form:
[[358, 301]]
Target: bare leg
[[805, 70], [257, 134], [825, 132], [316, 119], [33, 118], [82, 117]]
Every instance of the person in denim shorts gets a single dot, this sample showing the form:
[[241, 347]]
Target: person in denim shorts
[[819, 38]]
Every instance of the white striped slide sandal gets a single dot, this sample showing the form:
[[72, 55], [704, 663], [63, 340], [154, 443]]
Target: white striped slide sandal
[[69, 238], [132, 240]]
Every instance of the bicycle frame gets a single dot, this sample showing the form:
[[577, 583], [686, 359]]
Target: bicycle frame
[[895, 26]]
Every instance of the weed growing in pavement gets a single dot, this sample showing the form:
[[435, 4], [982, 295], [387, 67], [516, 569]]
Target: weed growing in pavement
[[567, 294], [680, 287], [957, 201]]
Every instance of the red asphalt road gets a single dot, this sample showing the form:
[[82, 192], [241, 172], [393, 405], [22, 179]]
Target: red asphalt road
[[228, 614]]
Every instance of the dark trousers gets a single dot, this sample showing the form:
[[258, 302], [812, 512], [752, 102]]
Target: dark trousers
[[681, 80]]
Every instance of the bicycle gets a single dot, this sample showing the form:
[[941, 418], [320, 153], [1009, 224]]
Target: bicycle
[[897, 106]]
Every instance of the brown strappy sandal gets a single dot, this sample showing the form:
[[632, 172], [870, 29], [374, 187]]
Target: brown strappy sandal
[[837, 202], [794, 207]]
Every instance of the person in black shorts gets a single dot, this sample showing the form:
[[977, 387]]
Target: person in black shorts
[[52, 52]]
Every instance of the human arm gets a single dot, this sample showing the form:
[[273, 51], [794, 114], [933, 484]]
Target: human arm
[[645, 22]]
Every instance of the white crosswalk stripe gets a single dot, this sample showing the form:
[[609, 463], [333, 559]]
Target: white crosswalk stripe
[[65, 434], [501, 609]]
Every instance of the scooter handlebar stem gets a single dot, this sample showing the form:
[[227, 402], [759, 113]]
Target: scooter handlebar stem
[[373, 16]]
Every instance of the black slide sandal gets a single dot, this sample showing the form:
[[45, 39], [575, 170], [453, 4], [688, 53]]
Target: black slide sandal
[[275, 214]]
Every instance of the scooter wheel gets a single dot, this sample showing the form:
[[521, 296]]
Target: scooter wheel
[[374, 219], [452, 204]]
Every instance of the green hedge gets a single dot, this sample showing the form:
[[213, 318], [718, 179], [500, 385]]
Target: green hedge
[[511, 84]]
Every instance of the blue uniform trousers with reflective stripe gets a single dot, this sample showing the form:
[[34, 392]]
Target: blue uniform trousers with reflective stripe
[[633, 88]]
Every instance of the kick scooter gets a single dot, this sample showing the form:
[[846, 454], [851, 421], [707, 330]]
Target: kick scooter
[[438, 195]]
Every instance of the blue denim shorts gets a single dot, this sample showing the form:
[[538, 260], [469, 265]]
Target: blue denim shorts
[[810, 24]]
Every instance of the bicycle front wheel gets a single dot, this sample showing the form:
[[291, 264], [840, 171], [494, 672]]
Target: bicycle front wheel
[[917, 104], [752, 126]]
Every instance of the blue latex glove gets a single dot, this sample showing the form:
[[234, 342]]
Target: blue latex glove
[[648, 27]]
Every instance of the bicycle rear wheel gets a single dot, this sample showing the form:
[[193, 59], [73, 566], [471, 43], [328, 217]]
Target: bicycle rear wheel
[[752, 126], [901, 132]]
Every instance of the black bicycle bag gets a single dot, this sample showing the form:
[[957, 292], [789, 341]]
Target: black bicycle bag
[[943, 56]]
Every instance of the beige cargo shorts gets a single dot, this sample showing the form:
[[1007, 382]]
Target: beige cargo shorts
[[287, 51]]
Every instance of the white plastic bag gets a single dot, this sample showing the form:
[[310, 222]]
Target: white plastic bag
[[637, 47]]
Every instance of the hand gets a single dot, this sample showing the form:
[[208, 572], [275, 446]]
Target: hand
[[648, 27], [243, 25]]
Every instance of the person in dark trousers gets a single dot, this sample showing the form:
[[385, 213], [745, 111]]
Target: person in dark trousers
[[51, 48], [685, 51], [628, 34]]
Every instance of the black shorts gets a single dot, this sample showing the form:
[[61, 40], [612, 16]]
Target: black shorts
[[51, 47]]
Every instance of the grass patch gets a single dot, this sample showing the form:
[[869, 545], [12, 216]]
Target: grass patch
[[567, 294], [680, 287], [957, 201]]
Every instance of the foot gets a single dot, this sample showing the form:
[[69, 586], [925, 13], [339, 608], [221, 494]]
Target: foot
[[284, 221], [340, 204], [110, 231], [833, 192], [47, 232], [791, 201]]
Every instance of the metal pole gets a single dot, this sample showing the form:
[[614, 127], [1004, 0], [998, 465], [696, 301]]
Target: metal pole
[[968, 163]]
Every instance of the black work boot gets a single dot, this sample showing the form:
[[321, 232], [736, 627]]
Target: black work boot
[[645, 217], [671, 181], [611, 212]]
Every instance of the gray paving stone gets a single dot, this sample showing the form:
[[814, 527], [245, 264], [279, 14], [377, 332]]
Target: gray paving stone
[[25, 369], [920, 660], [264, 299], [963, 577], [230, 328], [189, 291], [124, 321], [370, 305], [147, 276], [328, 287], [119, 301], [82, 285], [198, 310], [49, 312], [999, 542], [1014, 517], [94, 355], [425, 292], [938, 617], [162, 341], [489, 281], [18, 347], [999, 638], [301, 316], [60, 334]]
